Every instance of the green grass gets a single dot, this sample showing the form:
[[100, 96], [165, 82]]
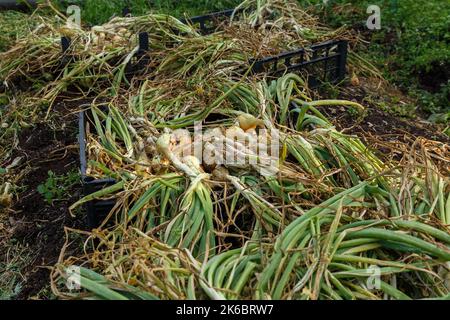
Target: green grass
[[412, 47], [99, 11]]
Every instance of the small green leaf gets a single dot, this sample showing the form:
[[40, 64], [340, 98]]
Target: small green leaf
[[41, 189]]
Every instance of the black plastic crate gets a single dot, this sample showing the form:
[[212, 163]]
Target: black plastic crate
[[210, 23], [96, 210], [322, 62]]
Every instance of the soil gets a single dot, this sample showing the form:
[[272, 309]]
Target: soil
[[35, 223], [390, 136], [375, 121], [433, 78], [382, 125]]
